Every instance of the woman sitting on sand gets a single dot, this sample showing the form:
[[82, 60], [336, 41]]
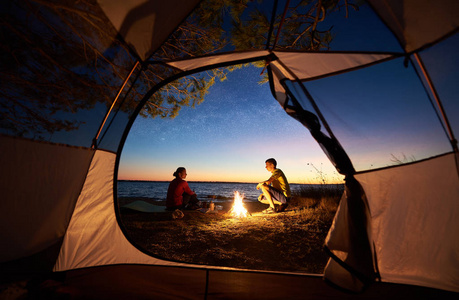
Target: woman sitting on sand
[[179, 194]]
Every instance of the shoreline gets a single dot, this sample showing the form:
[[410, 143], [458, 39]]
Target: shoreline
[[230, 182], [155, 191], [225, 203]]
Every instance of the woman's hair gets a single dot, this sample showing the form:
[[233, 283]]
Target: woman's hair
[[178, 171]]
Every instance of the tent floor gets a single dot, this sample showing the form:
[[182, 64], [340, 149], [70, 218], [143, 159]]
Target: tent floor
[[165, 282]]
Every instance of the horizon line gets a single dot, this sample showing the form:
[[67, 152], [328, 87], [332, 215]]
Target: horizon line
[[204, 181]]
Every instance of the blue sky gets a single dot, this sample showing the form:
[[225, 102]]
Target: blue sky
[[226, 138]]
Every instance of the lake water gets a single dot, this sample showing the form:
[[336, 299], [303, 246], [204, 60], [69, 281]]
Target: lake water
[[218, 191]]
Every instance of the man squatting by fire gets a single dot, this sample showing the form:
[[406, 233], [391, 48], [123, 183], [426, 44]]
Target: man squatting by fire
[[275, 190]]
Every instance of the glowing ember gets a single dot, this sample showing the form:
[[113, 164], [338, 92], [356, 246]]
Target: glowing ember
[[238, 210]]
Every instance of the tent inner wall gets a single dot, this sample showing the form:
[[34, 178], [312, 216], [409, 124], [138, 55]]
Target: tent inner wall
[[39, 190], [414, 211], [94, 237]]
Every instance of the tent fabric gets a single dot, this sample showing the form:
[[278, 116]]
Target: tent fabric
[[352, 263], [405, 216], [297, 66], [39, 185], [292, 65], [94, 237], [418, 23], [414, 210], [199, 62], [410, 20], [277, 87], [129, 281], [145, 25], [309, 65]]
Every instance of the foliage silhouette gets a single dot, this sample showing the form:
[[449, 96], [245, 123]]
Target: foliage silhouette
[[62, 58]]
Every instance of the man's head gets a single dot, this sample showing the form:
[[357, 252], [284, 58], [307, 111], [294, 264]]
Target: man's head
[[271, 164]]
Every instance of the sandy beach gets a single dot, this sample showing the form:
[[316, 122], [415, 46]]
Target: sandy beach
[[289, 241]]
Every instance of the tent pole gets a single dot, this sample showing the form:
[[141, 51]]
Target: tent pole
[[271, 30], [94, 141], [271, 25], [438, 102], [280, 24]]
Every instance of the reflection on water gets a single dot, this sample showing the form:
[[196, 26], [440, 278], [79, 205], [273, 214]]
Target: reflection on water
[[218, 191]]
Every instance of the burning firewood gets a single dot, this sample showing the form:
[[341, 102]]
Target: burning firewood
[[238, 210]]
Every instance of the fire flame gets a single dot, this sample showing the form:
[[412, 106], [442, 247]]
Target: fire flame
[[238, 210]]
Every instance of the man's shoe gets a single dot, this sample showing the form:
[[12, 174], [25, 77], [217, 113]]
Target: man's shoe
[[269, 210], [282, 207]]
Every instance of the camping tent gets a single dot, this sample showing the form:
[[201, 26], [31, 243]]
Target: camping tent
[[396, 223]]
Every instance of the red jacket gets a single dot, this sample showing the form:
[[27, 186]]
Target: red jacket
[[175, 192]]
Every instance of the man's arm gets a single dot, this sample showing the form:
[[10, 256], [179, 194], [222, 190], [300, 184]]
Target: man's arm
[[267, 182], [276, 174]]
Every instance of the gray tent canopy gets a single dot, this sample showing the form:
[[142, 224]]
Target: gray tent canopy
[[394, 77]]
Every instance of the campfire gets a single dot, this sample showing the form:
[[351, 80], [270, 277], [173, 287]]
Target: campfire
[[238, 210]]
